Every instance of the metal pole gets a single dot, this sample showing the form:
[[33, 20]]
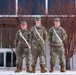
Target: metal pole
[[1, 35], [46, 7], [4, 59], [11, 59], [16, 12]]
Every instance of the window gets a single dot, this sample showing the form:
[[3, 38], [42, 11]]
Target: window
[[7, 58], [10, 59], [31, 7], [61, 7], [1, 59], [7, 7], [36, 7], [8, 35]]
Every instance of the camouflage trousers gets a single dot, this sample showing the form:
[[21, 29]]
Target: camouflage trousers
[[38, 51], [54, 52], [22, 52]]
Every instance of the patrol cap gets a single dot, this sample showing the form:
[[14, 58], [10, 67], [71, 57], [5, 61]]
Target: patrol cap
[[23, 23], [37, 18], [56, 19]]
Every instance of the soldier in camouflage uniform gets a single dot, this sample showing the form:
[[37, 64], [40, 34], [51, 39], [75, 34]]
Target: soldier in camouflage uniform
[[38, 45], [57, 36], [22, 49]]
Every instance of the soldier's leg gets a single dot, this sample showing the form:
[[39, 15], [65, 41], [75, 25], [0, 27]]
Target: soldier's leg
[[19, 60], [34, 60], [42, 59], [19, 63], [61, 57], [27, 56], [53, 55]]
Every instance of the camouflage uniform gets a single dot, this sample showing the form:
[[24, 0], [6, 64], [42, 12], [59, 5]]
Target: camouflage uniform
[[22, 48], [38, 45], [57, 48]]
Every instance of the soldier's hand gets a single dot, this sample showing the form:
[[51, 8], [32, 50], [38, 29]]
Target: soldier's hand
[[49, 46], [30, 47], [14, 49]]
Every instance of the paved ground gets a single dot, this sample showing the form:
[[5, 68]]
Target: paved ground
[[10, 71]]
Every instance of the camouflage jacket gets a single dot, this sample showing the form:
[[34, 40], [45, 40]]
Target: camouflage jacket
[[54, 41], [19, 40], [35, 39]]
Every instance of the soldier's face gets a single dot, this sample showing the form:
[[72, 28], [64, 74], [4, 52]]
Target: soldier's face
[[38, 23], [57, 23], [23, 27]]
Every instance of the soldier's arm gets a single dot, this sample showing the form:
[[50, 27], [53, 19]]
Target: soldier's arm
[[64, 35], [50, 36], [29, 39], [31, 36], [45, 35], [16, 39]]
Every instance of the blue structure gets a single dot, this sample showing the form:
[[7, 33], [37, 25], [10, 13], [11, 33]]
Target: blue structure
[[36, 7], [7, 7]]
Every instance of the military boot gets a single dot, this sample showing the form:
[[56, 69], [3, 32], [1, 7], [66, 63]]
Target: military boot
[[52, 69], [18, 69], [28, 70], [43, 70], [62, 69], [33, 70]]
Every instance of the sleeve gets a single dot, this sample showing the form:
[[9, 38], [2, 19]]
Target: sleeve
[[50, 36], [31, 36], [45, 35], [64, 35], [16, 39]]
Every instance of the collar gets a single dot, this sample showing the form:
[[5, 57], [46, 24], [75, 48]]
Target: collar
[[57, 27], [38, 27]]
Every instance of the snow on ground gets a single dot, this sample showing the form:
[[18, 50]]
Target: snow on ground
[[10, 71]]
